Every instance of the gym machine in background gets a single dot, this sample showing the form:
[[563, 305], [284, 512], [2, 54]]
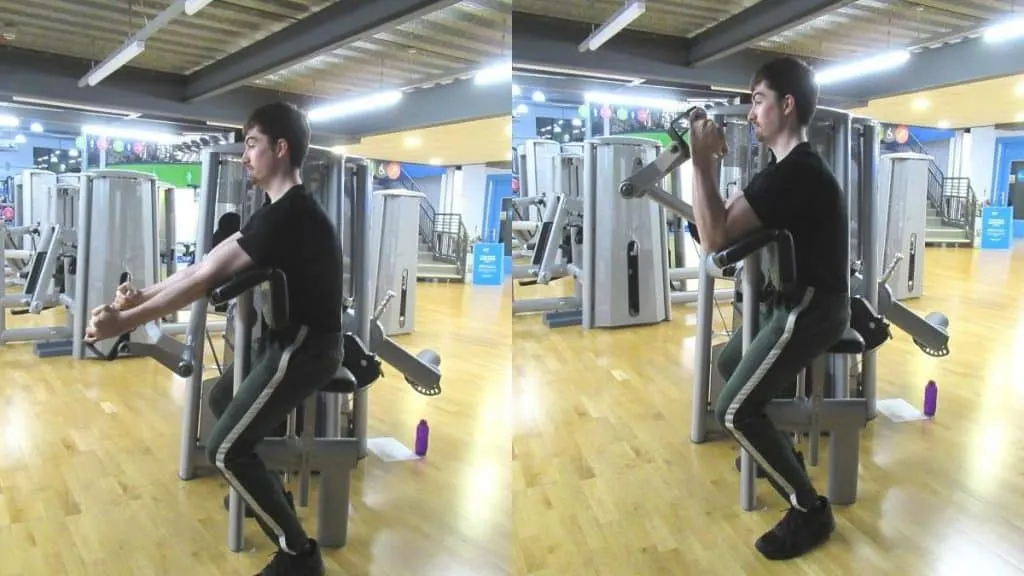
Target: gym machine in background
[[624, 272], [625, 290], [395, 229], [904, 180], [102, 229]]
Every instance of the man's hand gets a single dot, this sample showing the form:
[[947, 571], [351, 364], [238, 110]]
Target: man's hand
[[126, 297], [106, 322], [707, 139]]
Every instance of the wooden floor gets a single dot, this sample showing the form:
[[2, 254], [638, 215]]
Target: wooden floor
[[89, 460], [602, 479], [606, 482]]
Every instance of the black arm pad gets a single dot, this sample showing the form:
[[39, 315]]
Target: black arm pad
[[756, 241], [276, 315]]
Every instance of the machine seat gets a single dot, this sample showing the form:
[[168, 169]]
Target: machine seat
[[343, 382], [850, 343]]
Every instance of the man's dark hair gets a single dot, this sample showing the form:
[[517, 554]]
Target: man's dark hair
[[793, 77], [283, 121]]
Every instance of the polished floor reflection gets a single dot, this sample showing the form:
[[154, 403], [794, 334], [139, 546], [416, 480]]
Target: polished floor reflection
[[89, 458], [606, 482]]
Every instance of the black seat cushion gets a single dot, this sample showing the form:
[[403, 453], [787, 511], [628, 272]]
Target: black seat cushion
[[850, 343], [342, 383]]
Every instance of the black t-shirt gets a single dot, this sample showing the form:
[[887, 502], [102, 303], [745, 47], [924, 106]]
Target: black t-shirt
[[800, 194], [296, 236]]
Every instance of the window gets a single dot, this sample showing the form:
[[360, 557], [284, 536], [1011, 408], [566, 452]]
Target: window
[[562, 129]]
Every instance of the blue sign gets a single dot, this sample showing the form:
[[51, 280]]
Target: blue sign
[[488, 264], [996, 227]]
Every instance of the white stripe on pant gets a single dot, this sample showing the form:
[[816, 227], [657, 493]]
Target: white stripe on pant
[[766, 365], [251, 413]]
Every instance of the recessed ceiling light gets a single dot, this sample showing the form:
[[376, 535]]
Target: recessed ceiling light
[[943, 124], [435, 161], [413, 141], [920, 104]]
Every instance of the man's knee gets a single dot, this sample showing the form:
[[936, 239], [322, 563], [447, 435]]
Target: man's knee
[[222, 393]]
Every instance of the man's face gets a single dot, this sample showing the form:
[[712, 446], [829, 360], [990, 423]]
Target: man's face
[[768, 112], [261, 158]]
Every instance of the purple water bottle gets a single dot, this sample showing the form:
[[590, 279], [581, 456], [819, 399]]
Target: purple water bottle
[[931, 398], [422, 436]]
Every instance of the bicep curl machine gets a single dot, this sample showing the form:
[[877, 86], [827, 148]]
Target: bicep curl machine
[[827, 399], [331, 439]]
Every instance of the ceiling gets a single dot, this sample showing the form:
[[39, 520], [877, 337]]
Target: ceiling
[[436, 47], [474, 142], [998, 101], [857, 28]]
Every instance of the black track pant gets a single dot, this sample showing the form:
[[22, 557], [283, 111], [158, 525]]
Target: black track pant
[[283, 375], [792, 333]]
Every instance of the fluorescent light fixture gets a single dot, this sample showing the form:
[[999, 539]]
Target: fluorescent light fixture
[[339, 150], [516, 91], [617, 23], [629, 100], [224, 125], [112, 64], [193, 6], [730, 89], [871, 65], [36, 127], [1008, 30], [494, 74], [9, 121], [20, 139], [522, 109], [132, 134], [538, 96], [41, 102], [359, 105]]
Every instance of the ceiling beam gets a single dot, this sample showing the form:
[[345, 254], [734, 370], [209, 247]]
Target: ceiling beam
[[320, 32], [762, 20], [970, 60], [551, 44], [157, 95]]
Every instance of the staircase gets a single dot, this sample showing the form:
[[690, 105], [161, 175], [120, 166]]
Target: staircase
[[952, 205], [444, 243]]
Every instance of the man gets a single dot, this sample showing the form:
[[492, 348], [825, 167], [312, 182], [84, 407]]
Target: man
[[796, 192], [292, 233]]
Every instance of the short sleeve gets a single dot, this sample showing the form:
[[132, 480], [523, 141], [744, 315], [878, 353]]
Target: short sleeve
[[774, 197], [261, 236]]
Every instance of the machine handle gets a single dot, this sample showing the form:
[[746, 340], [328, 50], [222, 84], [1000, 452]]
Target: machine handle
[[277, 314]]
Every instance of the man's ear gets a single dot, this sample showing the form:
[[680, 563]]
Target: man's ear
[[788, 105], [282, 148]]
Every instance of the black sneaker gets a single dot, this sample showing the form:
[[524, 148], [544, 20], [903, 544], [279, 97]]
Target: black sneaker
[[760, 473], [248, 511], [305, 563], [798, 532]]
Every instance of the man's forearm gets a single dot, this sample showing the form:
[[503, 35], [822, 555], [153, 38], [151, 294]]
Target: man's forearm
[[708, 207], [170, 298], [150, 292]]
